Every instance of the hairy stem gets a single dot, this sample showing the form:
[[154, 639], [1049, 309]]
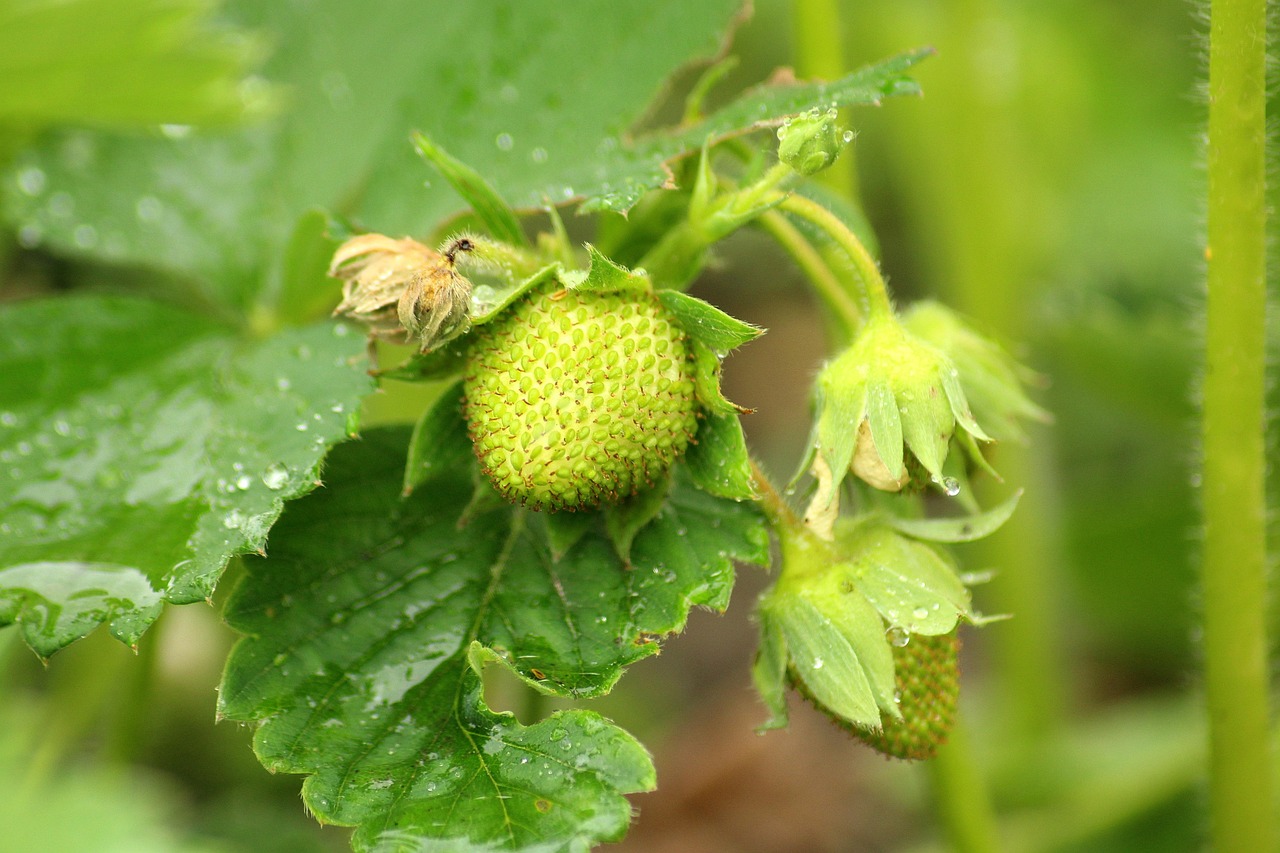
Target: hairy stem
[[963, 807], [874, 289], [1232, 431], [841, 305]]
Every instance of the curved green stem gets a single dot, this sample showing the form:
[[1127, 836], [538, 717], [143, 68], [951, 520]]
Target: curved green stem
[[874, 289], [963, 805], [841, 305], [1232, 429], [774, 505]]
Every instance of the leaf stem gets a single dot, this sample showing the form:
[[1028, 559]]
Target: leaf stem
[[963, 805], [1232, 431], [842, 306], [775, 506], [874, 289]]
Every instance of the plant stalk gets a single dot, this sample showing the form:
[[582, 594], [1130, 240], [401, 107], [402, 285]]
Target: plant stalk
[[841, 305], [960, 792], [874, 289], [1232, 431]]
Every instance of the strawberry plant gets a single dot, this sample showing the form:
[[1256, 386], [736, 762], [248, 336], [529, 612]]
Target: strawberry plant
[[411, 368]]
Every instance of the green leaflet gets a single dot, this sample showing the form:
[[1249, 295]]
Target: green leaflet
[[146, 446], [359, 658]]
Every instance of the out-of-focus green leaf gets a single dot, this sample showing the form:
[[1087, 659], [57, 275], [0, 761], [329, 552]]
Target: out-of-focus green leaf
[[81, 809], [528, 94], [489, 207], [143, 447], [112, 62], [361, 657]]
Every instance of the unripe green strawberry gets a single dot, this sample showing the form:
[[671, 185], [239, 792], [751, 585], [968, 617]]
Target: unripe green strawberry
[[927, 673], [578, 398]]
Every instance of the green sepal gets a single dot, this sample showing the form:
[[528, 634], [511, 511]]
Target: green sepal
[[910, 583], [842, 409], [836, 648], [719, 460], [707, 324], [566, 529], [443, 362], [488, 301], [704, 187], [624, 520], [606, 276], [706, 380], [885, 422], [490, 208], [769, 672], [439, 441], [967, 529]]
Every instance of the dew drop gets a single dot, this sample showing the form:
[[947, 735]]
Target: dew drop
[[8, 419], [920, 613], [898, 637], [242, 482], [951, 486], [818, 663], [31, 180], [275, 476], [30, 236], [148, 209], [85, 236], [538, 155], [175, 131], [282, 383], [848, 136], [504, 142]]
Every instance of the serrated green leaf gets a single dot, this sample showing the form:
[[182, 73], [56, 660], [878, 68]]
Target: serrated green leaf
[[489, 207], [718, 331], [641, 165], [146, 446], [534, 97], [719, 462], [966, 529], [605, 276], [124, 62], [360, 629], [439, 441]]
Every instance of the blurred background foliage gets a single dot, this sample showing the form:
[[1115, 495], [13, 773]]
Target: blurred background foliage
[[1047, 185]]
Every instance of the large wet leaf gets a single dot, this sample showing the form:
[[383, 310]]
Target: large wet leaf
[[122, 61], [522, 92], [142, 446], [361, 666]]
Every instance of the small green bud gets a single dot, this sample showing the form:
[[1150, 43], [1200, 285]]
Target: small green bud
[[811, 142]]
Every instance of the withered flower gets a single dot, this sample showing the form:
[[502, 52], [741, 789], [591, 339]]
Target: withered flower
[[402, 290]]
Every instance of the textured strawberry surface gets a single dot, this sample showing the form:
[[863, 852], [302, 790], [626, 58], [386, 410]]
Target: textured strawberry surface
[[575, 399], [928, 680]]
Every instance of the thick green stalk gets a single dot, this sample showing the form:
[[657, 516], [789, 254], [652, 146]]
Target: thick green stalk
[[819, 52], [1234, 498], [963, 806]]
